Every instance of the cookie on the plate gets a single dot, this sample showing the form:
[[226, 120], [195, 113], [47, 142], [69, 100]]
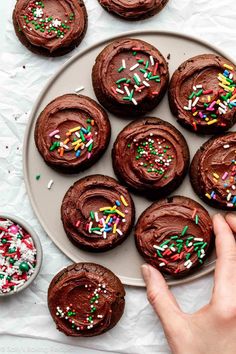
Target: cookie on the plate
[[135, 9], [85, 300], [174, 235], [130, 77], [202, 94], [97, 213], [213, 172], [151, 157], [72, 133], [50, 27]]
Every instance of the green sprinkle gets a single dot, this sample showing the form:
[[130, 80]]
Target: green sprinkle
[[184, 230], [191, 96], [92, 215], [121, 80], [120, 69], [196, 219], [37, 177]]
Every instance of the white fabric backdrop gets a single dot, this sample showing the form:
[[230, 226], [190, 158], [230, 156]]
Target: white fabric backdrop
[[26, 314]]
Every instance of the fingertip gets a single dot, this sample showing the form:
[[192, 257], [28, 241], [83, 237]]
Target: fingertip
[[231, 220]]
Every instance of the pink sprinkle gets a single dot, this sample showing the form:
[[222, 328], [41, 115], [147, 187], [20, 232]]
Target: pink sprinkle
[[117, 221], [54, 133], [155, 93], [78, 223], [114, 91], [225, 175], [89, 155]]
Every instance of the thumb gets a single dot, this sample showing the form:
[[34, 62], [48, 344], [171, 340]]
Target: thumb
[[161, 298]]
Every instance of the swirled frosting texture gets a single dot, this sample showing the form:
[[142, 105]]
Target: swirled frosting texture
[[72, 132], [213, 172], [50, 26], [151, 156], [85, 299], [174, 235], [87, 210], [130, 77], [134, 9], [202, 94]]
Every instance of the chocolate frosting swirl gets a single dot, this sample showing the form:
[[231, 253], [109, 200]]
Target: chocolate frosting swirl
[[171, 217], [161, 164], [213, 172], [74, 289], [64, 23], [134, 9], [201, 73], [91, 194], [106, 75], [62, 114]]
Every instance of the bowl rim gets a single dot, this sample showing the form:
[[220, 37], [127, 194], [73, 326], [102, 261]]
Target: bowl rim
[[39, 251]]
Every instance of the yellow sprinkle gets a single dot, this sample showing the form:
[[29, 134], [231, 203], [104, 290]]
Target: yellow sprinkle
[[105, 208], [74, 129], [209, 98], [218, 101], [114, 207], [208, 195], [216, 175], [114, 228], [120, 213], [77, 146], [195, 113], [123, 200], [228, 67], [213, 121], [76, 142], [227, 88], [223, 79], [215, 180], [206, 119], [107, 219]]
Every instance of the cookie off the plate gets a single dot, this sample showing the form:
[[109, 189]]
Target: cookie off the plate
[[134, 9], [202, 94], [50, 27], [130, 77], [174, 235], [151, 157], [72, 133], [85, 300], [97, 213], [213, 172]]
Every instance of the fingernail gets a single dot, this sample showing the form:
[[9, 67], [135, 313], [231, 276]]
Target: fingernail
[[145, 272], [231, 215]]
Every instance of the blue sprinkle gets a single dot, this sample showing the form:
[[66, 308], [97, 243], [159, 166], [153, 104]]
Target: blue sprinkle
[[78, 152], [226, 73], [108, 229], [84, 131], [234, 199], [212, 194], [117, 203]]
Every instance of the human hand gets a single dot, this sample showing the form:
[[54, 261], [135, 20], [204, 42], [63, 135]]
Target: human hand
[[212, 329]]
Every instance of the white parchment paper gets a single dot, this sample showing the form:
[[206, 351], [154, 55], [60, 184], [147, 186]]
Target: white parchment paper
[[22, 76]]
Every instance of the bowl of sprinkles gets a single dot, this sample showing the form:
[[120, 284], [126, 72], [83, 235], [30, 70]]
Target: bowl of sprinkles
[[20, 255]]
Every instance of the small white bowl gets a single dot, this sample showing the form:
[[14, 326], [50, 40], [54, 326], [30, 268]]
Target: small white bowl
[[39, 251]]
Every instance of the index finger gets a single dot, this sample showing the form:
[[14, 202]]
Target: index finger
[[225, 276]]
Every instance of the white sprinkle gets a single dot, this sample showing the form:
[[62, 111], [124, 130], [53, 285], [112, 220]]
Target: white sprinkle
[[195, 101], [119, 232], [134, 101], [96, 216], [78, 89], [89, 143], [120, 91], [97, 232], [146, 84], [158, 248], [50, 183], [151, 60], [57, 136], [134, 67], [198, 239], [127, 91], [123, 64], [104, 235], [90, 225], [198, 86], [161, 264], [195, 88], [226, 146], [137, 77]]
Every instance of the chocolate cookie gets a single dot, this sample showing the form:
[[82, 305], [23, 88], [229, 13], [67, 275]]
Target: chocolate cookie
[[213, 172], [86, 300], [202, 94], [130, 77], [174, 235], [72, 133], [134, 9], [97, 213], [50, 27], [151, 156]]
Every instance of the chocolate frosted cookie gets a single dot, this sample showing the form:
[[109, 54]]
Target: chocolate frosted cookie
[[213, 172], [72, 133], [151, 156], [130, 77], [86, 300], [134, 9], [174, 235], [202, 94], [97, 213], [50, 27]]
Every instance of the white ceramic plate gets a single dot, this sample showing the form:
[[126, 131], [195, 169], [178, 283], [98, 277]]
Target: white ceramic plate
[[123, 260]]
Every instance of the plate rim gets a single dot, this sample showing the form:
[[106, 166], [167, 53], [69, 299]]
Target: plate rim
[[125, 280]]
